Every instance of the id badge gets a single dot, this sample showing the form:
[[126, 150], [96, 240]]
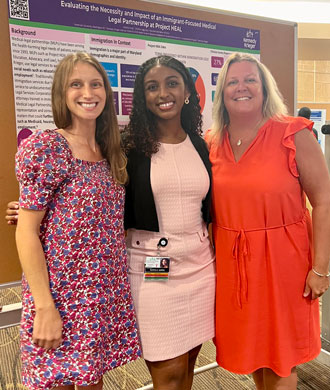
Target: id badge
[[156, 268]]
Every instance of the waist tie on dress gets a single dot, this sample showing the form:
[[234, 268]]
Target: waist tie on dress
[[241, 253]]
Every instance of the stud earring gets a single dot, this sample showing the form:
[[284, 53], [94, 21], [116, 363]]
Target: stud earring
[[186, 100]]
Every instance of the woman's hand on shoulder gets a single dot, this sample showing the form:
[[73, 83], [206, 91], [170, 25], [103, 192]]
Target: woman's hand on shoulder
[[316, 285], [207, 138], [12, 212]]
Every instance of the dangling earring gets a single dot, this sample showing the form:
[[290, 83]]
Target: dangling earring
[[186, 100]]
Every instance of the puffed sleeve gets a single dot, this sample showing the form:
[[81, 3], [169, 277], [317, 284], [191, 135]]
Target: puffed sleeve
[[295, 125], [43, 162]]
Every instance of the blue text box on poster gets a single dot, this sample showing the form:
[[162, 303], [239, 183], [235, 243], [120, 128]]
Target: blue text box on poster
[[112, 72]]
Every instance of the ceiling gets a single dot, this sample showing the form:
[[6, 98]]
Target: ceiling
[[300, 11]]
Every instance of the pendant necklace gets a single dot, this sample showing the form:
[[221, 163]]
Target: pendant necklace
[[240, 140]]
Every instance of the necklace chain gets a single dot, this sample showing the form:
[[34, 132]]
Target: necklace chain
[[240, 140]]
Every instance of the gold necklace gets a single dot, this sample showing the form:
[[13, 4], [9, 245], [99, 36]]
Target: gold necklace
[[255, 131], [239, 141]]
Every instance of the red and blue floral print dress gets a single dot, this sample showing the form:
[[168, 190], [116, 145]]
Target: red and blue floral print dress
[[83, 240]]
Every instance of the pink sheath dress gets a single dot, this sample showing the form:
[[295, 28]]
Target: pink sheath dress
[[175, 316], [83, 240]]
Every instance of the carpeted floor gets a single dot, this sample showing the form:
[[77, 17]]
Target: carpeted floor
[[312, 376]]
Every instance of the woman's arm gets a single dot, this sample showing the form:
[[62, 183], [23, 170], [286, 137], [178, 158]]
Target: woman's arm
[[12, 212], [314, 178], [47, 327]]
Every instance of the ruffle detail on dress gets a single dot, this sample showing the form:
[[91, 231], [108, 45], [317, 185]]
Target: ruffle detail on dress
[[294, 126]]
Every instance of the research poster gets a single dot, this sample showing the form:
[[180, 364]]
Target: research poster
[[43, 32]]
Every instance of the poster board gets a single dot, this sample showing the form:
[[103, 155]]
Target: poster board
[[277, 51]]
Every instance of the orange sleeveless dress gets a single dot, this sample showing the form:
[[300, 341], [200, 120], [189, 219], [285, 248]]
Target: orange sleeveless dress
[[263, 241]]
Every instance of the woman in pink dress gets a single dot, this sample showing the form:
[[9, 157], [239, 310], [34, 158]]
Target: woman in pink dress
[[167, 210], [78, 320]]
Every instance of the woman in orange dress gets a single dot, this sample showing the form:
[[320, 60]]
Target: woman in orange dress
[[269, 273]]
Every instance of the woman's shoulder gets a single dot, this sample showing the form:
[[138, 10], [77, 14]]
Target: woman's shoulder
[[287, 126], [44, 146], [45, 139], [296, 122]]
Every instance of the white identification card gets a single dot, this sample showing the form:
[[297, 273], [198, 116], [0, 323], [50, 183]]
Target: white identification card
[[156, 268]]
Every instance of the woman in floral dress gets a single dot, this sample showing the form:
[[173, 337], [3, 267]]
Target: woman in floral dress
[[78, 320]]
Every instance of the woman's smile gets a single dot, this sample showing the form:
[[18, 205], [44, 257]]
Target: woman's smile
[[166, 106]]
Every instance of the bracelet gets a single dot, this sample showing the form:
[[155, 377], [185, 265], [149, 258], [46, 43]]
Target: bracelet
[[321, 275]]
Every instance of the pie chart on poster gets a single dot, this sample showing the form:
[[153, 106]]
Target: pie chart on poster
[[200, 87]]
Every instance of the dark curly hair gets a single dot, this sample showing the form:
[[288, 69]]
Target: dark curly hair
[[141, 132]]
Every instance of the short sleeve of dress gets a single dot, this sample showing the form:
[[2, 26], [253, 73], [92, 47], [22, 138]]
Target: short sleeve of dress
[[43, 162], [294, 126]]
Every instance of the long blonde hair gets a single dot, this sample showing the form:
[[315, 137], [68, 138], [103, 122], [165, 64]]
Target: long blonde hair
[[273, 102], [107, 132]]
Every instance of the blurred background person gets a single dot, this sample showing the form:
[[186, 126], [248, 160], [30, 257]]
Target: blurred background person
[[306, 112]]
